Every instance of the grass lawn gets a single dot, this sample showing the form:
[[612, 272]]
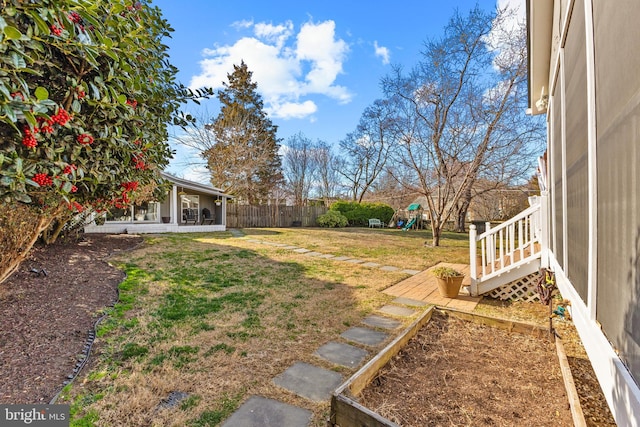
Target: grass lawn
[[218, 317]]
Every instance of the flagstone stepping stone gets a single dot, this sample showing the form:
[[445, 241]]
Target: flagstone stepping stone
[[381, 322], [302, 250], [342, 354], [364, 336], [397, 311], [327, 256], [371, 264], [259, 411], [389, 268], [411, 272], [309, 381], [409, 301], [341, 258], [355, 261], [313, 254]]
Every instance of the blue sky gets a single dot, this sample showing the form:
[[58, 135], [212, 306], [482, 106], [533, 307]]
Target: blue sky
[[318, 64]]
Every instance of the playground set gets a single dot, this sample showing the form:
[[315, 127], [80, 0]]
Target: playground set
[[411, 218]]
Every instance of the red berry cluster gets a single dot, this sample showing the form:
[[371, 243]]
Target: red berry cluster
[[68, 170], [80, 93], [76, 206], [28, 140], [56, 30], [132, 103], [16, 95], [42, 179], [130, 186], [138, 161], [74, 17], [61, 117], [44, 126], [85, 139]]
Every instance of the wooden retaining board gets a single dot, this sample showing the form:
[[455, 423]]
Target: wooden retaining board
[[346, 412]]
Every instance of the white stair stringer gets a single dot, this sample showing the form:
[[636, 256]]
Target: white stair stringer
[[505, 275]]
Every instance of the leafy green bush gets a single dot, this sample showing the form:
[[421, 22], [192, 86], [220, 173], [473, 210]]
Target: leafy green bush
[[86, 96], [358, 214], [332, 219]]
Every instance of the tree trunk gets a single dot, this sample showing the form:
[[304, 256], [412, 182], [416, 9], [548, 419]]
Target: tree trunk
[[462, 209], [436, 228], [20, 227]]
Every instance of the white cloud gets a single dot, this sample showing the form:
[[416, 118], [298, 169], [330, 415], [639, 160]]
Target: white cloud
[[287, 69], [292, 110], [238, 25], [518, 6], [382, 52], [503, 33]]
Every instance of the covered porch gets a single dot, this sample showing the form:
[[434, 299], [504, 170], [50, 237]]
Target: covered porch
[[189, 207]]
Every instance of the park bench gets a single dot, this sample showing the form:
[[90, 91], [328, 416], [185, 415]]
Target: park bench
[[374, 222]]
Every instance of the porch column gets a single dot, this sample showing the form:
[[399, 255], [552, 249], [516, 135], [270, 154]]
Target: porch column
[[174, 205], [473, 263]]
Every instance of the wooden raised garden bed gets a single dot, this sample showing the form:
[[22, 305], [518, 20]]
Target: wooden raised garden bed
[[456, 368]]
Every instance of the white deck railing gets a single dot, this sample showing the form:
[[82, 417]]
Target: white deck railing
[[509, 245]]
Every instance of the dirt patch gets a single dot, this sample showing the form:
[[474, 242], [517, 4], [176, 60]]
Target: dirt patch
[[455, 372], [47, 309]]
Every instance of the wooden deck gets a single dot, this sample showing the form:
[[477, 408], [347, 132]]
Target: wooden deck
[[424, 287]]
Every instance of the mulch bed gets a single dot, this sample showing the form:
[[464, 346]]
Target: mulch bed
[[47, 311], [455, 372]]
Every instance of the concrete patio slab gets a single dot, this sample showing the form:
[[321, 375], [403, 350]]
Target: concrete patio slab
[[381, 322], [364, 336], [397, 311], [259, 411], [342, 354], [309, 381]]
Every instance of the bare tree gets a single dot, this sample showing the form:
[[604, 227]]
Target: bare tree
[[366, 149], [328, 179], [300, 166], [455, 110]]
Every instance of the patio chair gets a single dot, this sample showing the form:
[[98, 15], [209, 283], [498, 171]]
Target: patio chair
[[190, 215], [207, 217]]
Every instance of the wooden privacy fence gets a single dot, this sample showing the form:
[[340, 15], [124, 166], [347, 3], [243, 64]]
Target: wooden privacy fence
[[240, 216]]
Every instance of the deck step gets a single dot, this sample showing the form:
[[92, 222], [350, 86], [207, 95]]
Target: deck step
[[509, 274]]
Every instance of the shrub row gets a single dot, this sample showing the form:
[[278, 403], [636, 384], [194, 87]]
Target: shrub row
[[358, 214]]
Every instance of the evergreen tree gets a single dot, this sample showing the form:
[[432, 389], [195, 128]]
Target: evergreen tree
[[244, 160]]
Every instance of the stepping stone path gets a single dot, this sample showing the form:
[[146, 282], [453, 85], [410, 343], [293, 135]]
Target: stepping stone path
[[263, 412], [381, 322], [309, 252], [397, 311], [364, 336], [309, 381], [342, 354], [312, 382]]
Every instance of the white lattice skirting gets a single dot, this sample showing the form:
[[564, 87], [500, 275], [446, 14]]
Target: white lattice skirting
[[523, 289]]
